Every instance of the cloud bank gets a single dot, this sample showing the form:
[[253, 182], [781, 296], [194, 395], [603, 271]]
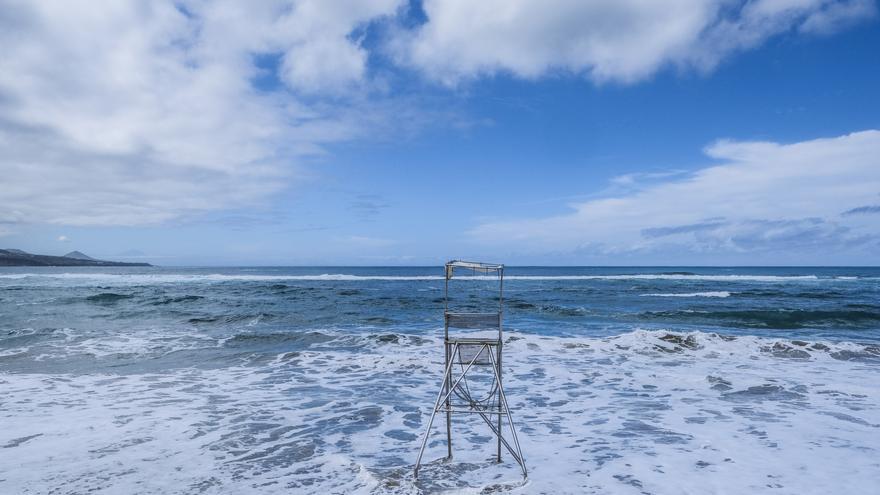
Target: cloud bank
[[130, 113], [607, 40], [762, 196], [126, 113]]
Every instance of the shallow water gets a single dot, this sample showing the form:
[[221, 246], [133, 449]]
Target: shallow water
[[627, 380]]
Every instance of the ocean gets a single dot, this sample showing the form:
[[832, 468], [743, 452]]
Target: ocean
[[321, 380]]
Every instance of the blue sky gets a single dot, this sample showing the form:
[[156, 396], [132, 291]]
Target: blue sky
[[320, 133]]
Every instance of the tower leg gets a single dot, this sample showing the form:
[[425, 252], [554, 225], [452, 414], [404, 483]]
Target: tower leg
[[503, 399], [504, 442], [447, 385], [498, 377], [444, 397], [446, 375]]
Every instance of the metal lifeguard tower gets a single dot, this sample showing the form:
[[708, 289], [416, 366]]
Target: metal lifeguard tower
[[475, 345]]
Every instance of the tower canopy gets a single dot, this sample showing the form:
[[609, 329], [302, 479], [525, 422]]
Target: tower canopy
[[474, 266]]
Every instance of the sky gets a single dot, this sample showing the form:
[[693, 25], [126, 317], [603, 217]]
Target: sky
[[393, 132]]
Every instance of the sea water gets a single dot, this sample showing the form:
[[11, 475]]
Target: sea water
[[321, 380]]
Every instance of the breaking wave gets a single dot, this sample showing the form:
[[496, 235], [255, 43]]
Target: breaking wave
[[772, 318], [722, 293], [710, 344]]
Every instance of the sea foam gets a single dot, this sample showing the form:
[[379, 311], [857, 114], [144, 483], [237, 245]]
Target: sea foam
[[646, 411]]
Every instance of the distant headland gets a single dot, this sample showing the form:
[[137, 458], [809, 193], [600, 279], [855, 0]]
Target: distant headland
[[17, 257]]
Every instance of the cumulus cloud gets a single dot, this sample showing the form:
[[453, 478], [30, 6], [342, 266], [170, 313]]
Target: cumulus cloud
[[762, 195], [140, 112], [608, 40], [319, 53]]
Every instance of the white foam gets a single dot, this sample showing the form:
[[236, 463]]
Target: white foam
[[14, 351], [143, 343], [640, 412], [692, 294]]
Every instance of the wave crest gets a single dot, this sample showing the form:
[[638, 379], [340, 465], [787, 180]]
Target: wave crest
[[720, 293], [708, 344]]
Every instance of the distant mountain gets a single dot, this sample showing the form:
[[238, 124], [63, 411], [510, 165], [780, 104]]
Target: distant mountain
[[17, 257], [79, 256]]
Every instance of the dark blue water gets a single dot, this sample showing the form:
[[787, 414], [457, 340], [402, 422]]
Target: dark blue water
[[253, 306]]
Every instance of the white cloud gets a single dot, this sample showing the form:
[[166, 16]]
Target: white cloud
[[63, 238], [139, 112], [762, 195], [319, 55], [609, 40], [836, 16]]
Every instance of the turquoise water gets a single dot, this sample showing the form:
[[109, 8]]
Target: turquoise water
[[320, 378]]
